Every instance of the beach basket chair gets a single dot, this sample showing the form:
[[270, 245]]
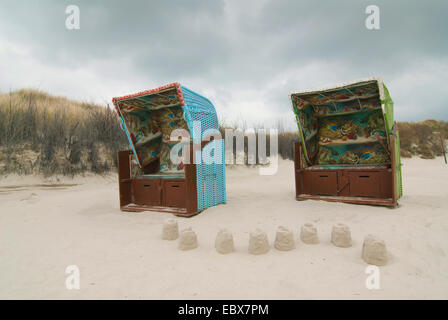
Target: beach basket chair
[[349, 148], [162, 125]]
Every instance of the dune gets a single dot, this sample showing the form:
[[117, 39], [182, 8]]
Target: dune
[[47, 225]]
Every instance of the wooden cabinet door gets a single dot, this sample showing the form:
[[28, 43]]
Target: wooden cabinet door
[[147, 192], [174, 193], [324, 183], [365, 184], [343, 183]]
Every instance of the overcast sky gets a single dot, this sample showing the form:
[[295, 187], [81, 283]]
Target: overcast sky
[[246, 56]]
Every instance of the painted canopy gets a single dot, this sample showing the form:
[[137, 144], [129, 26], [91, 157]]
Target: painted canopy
[[345, 124]]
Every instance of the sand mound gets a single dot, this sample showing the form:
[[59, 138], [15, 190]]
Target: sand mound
[[374, 251], [341, 236], [258, 242], [224, 242], [308, 234], [170, 230], [188, 239], [284, 239]]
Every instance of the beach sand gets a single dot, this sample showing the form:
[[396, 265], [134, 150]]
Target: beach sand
[[120, 255]]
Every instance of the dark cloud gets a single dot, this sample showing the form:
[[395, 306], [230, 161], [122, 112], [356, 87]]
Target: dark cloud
[[248, 55]]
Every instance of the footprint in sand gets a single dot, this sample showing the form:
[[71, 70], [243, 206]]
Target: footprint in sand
[[32, 196]]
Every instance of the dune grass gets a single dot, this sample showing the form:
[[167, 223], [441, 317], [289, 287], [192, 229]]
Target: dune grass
[[40, 133]]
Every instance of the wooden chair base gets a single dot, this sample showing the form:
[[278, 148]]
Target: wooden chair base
[[181, 212], [355, 200], [172, 195], [371, 185]]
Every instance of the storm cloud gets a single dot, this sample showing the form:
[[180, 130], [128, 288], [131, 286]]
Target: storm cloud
[[246, 56]]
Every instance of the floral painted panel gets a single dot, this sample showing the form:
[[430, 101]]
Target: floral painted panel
[[352, 128], [353, 154], [150, 130], [358, 138]]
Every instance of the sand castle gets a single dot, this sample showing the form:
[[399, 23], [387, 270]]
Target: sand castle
[[188, 240], [373, 251], [308, 234], [170, 230], [224, 242], [341, 236], [258, 242], [284, 239]]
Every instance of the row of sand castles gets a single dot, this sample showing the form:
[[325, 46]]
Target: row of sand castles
[[373, 250]]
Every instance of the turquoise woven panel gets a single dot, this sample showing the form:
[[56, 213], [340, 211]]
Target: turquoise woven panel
[[211, 185]]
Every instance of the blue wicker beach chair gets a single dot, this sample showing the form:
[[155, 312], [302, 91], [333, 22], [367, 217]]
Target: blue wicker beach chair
[[159, 123]]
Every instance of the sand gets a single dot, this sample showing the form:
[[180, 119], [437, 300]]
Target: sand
[[121, 255]]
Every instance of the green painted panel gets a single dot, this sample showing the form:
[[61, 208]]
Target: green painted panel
[[388, 110], [398, 176]]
